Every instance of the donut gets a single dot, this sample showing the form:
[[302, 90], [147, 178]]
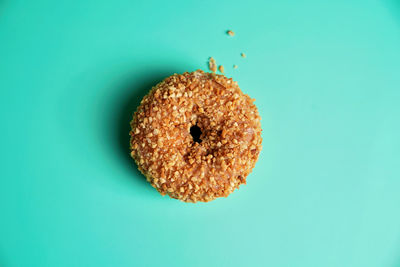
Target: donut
[[195, 136]]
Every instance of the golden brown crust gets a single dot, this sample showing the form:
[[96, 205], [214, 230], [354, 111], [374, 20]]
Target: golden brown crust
[[165, 152]]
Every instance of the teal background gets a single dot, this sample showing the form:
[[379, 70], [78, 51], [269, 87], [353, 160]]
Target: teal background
[[326, 78]]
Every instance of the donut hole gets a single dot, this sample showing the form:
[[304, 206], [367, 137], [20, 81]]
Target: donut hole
[[195, 132]]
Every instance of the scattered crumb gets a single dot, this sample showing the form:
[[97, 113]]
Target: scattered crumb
[[212, 65]]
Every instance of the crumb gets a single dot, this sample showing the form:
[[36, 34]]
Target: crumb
[[243, 55], [235, 66], [212, 65], [230, 33], [221, 68]]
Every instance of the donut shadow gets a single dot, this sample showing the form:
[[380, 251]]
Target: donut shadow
[[139, 88]]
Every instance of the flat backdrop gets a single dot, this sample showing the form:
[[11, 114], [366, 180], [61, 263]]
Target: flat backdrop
[[326, 79]]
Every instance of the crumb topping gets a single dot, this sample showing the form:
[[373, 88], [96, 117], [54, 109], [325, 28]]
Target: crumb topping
[[165, 151], [212, 65]]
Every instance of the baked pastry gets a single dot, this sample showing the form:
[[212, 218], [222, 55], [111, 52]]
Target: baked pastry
[[196, 136]]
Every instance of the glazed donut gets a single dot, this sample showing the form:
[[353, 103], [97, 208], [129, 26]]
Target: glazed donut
[[196, 136]]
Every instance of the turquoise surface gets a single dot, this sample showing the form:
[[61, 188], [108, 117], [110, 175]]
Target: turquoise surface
[[326, 78]]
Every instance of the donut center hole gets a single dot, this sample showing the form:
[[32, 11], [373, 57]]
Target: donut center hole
[[195, 132]]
